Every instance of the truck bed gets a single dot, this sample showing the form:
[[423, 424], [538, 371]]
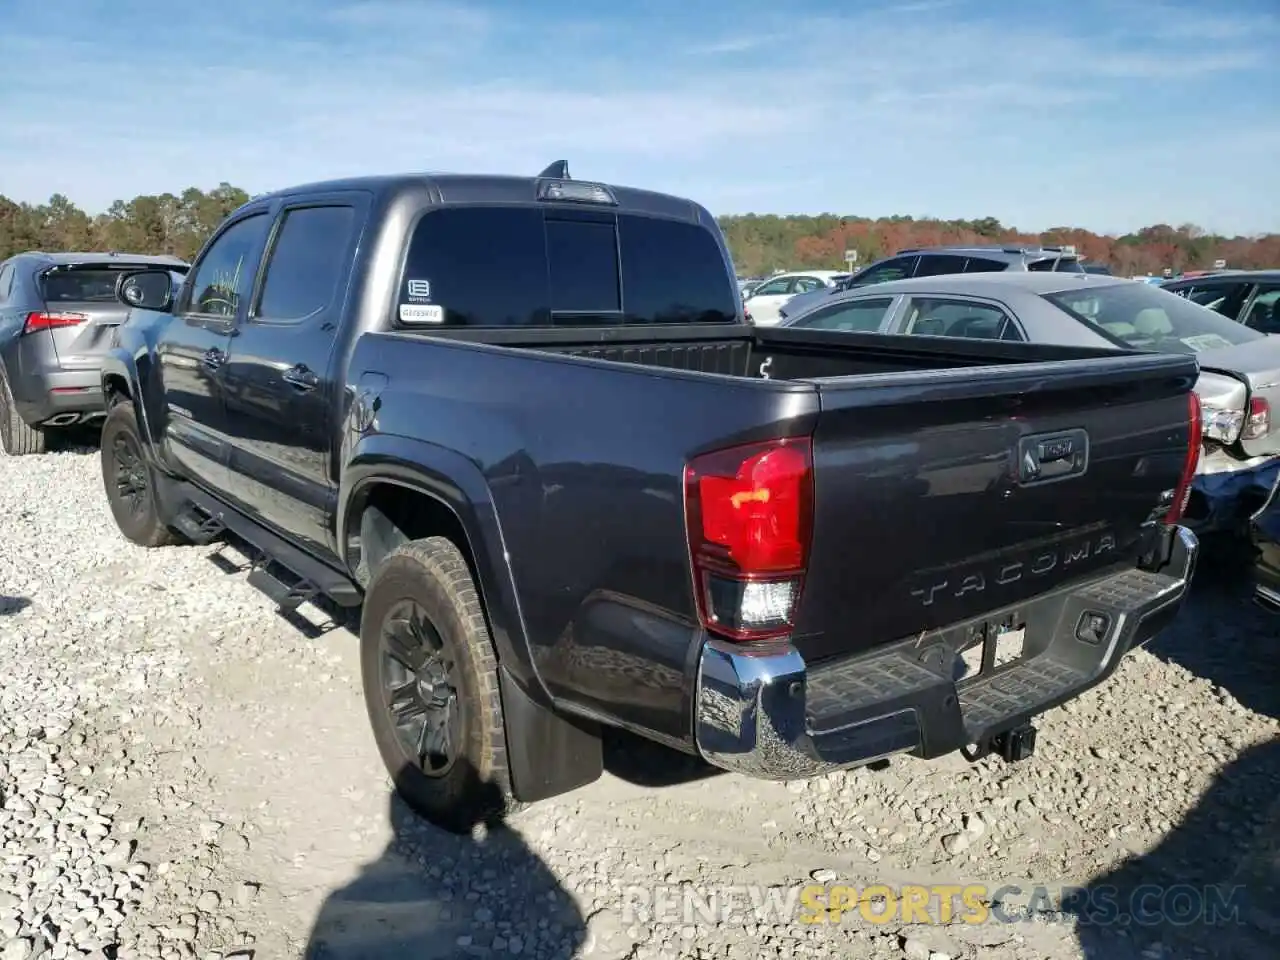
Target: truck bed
[[794, 354], [921, 519]]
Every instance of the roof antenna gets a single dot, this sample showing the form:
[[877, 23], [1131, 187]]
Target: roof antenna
[[557, 171]]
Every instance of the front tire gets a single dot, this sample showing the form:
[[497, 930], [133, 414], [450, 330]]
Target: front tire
[[17, 436], [130, 481], [430, 680]]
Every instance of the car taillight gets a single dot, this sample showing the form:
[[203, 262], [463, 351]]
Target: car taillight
[[749, 511], [51, 321], [1258, 424], [1182, 494]]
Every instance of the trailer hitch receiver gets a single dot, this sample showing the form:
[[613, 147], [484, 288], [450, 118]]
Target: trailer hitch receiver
[[1010, 745]]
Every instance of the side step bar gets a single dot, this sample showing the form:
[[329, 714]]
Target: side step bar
[[286, 574]]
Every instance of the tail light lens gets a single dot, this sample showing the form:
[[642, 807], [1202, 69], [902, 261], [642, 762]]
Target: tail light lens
[[749, 511], [1182, 494], [51, 321], [1258, 424]]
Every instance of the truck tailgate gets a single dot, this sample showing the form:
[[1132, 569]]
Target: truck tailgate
[[944, 494]]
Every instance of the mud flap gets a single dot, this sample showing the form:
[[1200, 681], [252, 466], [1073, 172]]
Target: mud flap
[[547, 754]]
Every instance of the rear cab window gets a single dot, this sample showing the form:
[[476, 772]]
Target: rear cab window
[[561, 268], [1144, 317]]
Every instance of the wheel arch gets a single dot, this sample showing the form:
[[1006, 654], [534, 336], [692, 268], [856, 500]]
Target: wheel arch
[[396, 489]]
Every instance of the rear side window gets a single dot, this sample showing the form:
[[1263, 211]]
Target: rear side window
[[6, 281], [939, 264], [983, 265], [859, 316], [561, 268], [79, 286], [305, 263], [1056, 264]]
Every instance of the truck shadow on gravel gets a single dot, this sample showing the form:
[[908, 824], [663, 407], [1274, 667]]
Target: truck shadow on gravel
[[11, 605], [1210, 888], [433, 895], [1212, 885], [1221, 634]]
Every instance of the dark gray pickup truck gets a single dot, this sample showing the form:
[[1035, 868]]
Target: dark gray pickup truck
[[522, 423]]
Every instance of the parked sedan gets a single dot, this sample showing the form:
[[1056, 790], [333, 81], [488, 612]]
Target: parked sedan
[[1265, 530], [1251, 297], [57, 314], [1239, 383], [765, 300]]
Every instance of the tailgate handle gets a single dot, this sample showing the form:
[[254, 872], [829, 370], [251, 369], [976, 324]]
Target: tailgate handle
[[1057, 456]]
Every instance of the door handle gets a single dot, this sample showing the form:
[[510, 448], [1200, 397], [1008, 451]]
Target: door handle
[[213, 358], [300, 377]]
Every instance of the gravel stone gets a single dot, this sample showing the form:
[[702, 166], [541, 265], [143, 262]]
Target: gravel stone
[[178, 767]]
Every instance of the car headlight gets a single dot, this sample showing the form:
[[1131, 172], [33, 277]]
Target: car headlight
[[1222, 425]]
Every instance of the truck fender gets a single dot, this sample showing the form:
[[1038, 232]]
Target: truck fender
[[120, 368], [456, 483], [548, 754]]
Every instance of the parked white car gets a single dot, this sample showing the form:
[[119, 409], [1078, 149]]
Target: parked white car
[[764, 302]]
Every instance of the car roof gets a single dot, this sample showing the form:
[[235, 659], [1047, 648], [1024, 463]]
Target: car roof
[[105, 256], [979, 284], [1010, 252], [1229, 275]]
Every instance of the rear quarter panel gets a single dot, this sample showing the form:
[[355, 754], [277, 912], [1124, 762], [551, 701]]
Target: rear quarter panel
[[583, 462]]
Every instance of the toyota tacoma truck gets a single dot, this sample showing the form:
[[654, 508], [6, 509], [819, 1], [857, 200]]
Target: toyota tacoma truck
[[521, 423]]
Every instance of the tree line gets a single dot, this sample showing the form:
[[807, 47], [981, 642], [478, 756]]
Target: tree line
[[180, 224]]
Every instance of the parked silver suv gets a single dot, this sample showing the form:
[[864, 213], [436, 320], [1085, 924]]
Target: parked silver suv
[[937, 261], [57, 314]]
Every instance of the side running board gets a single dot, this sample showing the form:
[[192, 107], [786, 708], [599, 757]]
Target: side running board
[[289, 576]]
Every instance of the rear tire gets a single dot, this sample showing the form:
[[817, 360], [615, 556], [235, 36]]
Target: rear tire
[[16, 436], [426, 655], [130, 481]]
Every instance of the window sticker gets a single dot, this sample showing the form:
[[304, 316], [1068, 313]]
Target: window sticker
[[419, 291], [421, 313]]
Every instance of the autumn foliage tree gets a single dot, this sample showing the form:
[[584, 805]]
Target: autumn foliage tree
[[761, 244], [180, 224]]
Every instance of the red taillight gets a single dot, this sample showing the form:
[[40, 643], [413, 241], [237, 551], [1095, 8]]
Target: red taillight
[[1258, 424], [749, 512], [1182, 494], [51, 321]]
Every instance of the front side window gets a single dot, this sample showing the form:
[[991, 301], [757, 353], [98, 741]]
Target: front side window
[[896, 269], [775, 288], [1264, 312], [970, 320], [306, 262], [858, 316], [225, 274], [1145, 317]]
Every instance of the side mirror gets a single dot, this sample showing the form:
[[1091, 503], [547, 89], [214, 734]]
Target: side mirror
[[146, 289]]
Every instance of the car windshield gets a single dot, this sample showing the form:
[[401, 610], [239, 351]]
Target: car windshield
[[1144, 317]]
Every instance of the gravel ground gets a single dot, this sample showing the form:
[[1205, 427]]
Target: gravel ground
[[184, 774]]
